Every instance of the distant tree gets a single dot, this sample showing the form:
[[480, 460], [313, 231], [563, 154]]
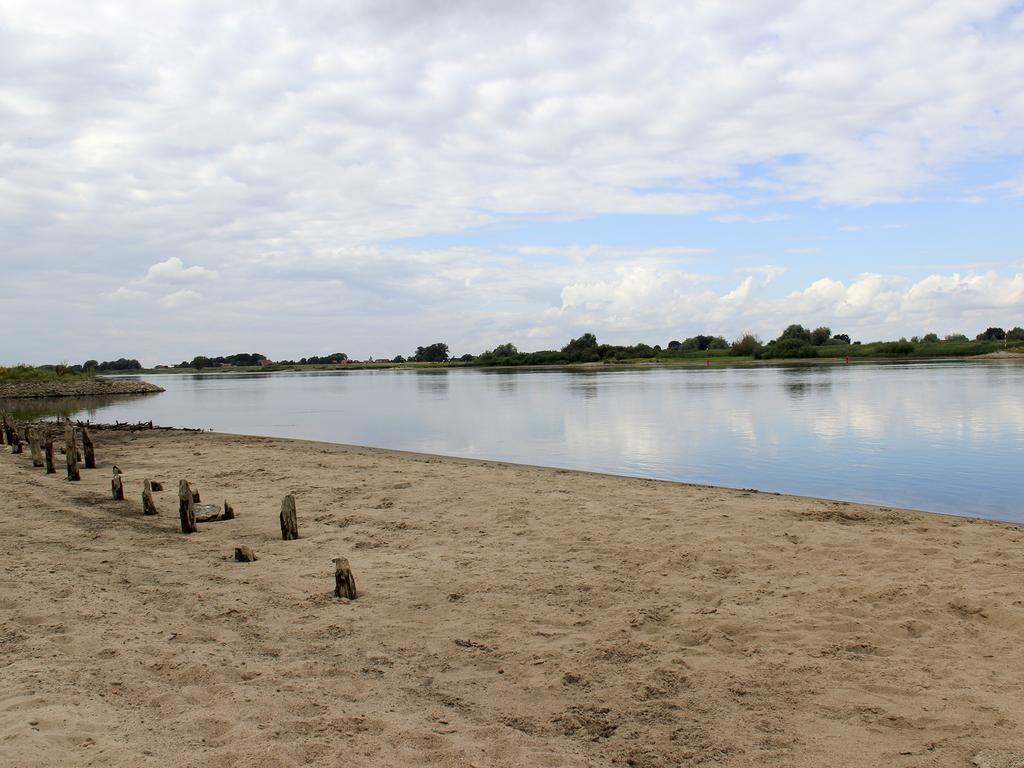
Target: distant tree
[[467, 358], [583, 349], [797, 332], [991, 334], [585, 343], [121, 364], [674, 346], [398, 359], [747, 345], [1015, 334], [434, 353], [90, 365], [841, 338], [201, 361], [505, 350], [955, 337], [701, 343], [930, 338], [789, 347], [820, 335]]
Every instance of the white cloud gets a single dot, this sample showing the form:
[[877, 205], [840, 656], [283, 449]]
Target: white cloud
[[126, 293], [737, 218], [771, 272], [179, 298], [174, 272]]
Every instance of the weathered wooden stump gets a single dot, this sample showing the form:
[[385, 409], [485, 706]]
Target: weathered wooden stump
[[115, 470], [289, 519], [195, 495], [35, 443], [71, 452], [229, 511], [90, 452], [186, 508], [344, 581], [11, 435], [244, 555], [148, 506], [48, 450], [117, 488]]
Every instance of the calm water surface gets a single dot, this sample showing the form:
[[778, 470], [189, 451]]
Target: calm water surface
[[946, 437]]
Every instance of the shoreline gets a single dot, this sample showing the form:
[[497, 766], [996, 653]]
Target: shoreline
[[716, 362], [508, 615]]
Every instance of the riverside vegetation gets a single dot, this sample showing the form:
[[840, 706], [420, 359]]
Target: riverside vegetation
[[795, 343]]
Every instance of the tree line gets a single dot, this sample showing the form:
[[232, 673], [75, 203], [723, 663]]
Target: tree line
[[795, 341]]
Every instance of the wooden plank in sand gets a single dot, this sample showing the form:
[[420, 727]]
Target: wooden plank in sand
[[117, 488], [71, 451], [289, 519], [48, 449], [148, 505], [344, 581], [35, 443], [90, 453], [186, 508]]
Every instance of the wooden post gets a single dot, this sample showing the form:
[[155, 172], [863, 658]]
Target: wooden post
[[289, 519], [148, 507], [11, 431], [229, 511], [344, 581], [195, 495], [48, 448], [186, 508], [90, 454], [117, 488], [36, 445], [71, 451], [11, 434]]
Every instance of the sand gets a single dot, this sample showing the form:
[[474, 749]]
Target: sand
[[507, 616]]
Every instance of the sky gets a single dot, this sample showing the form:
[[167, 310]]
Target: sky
[[301, 178]]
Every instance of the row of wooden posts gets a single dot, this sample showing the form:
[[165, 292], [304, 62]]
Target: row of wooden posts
[[41, 447]]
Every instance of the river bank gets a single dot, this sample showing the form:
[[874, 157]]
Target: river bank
[[85, 386], [508, 616]]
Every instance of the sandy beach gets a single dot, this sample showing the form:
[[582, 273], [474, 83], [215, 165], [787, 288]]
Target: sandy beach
[[507, 616]]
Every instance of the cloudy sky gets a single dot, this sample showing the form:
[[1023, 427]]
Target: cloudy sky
[[299, 178]]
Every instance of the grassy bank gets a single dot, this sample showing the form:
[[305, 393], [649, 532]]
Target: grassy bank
[[39, 373]]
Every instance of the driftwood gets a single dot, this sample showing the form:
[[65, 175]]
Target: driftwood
[[90, 453], [48, 450], [211, 513], [117, 488], [71, 451], [186, 508], [344, 581], [35, 444], [244, 555], [289, 519], [148, 506]]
